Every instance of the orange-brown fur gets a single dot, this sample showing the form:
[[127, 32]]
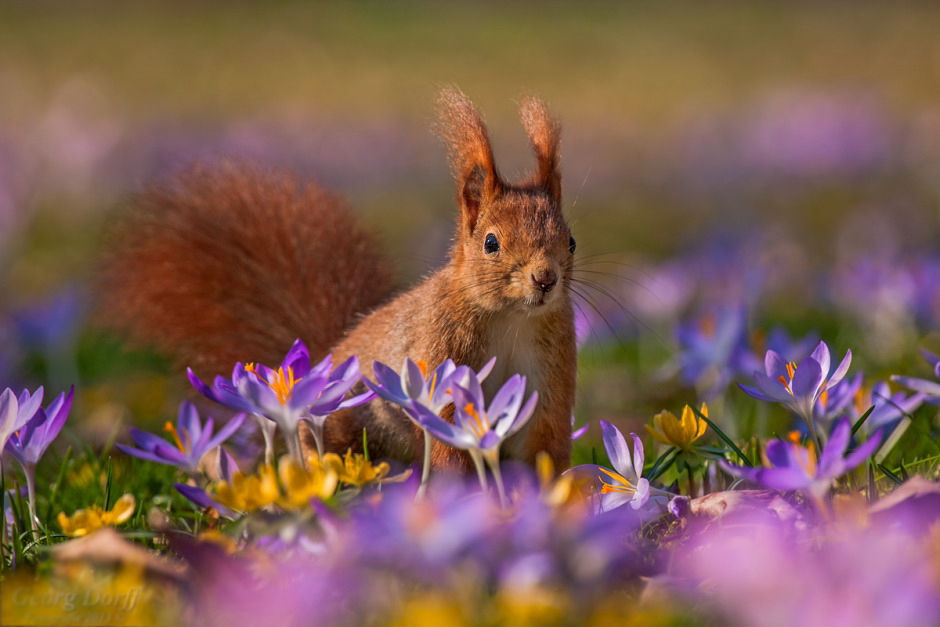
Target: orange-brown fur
[[163, 289]]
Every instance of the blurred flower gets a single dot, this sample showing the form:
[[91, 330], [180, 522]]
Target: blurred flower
[[15, 412], [888, 408], [798, 386], [837, 400], [713, 349], [764, 572], [680, 432], [86, 521], [290, 486], [795, 467], [191, 440], [52, 324], [577, 434], [929, 389]]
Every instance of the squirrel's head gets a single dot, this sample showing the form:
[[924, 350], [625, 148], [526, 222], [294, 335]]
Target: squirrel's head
[[513, 249]]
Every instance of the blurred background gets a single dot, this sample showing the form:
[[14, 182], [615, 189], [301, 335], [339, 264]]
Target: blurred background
[[738, 175]]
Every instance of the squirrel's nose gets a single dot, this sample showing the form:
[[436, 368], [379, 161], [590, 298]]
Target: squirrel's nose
[[545, 280]]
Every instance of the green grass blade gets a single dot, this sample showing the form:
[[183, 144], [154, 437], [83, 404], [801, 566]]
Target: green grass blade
[[858, 423], [724, 438]]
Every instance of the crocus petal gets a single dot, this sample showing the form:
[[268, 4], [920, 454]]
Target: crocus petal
[[260, 394], [448, 433], [578, 433], [616, 447], [144, 440], [159, 458], [487, 368], [638, 455], [772, 388], [322, 368], [348, 371], [9, 414], [199, 497], [642, 494], [774, 365], [388, 383], [778, 452], [507, 399], [359, 399], [412, 379], [187, 422], [835, 448], [807, 379], [756, 393], [841, 369], [233, 425], [29, 405], [863, 452], [821, 356], [307, 391], [297, 359], [918, 385], [524, 414], [786, 478]]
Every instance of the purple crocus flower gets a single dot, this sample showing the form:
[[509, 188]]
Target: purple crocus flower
[[479, 428], [295, 391], [624, 483], [28, 443], [431, 391], [798, 386], [930, 389], [795, 467], [192, 440], [16, 411], [415, 384]]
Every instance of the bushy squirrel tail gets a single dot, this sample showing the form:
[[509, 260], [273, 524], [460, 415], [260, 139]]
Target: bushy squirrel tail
[[230, 262]]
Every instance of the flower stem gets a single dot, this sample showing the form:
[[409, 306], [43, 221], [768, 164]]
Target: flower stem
[[481, 471], [492, 460], [426, 467], [268, 427], [30, 471], [293, 445]]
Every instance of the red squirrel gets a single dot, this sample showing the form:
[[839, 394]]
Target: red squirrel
[[230, 263]]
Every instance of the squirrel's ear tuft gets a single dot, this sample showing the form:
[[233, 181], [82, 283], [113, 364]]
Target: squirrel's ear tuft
[[471, 157], [544, 132]]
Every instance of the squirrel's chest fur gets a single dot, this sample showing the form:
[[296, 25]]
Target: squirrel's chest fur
[[513, 340]]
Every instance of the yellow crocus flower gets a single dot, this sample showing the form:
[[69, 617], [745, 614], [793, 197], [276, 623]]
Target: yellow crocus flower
[[89, 520], [355, 469], [303, 484], [247, 493], [290, 486], [679, 432]]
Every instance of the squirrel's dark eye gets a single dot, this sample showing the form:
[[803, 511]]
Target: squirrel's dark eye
[[571, 244], [490, 244]]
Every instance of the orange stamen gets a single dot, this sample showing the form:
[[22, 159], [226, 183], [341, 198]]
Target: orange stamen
[[624, 485], [170, 428], [481, 424]]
